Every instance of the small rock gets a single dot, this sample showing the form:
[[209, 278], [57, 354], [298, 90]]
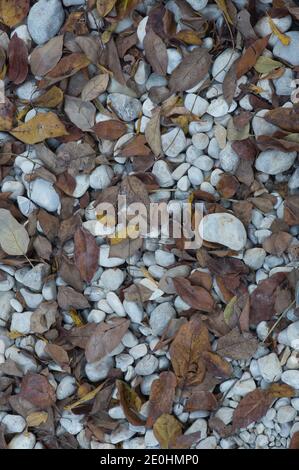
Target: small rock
[[223, 228], [229, 160], [223, 63], [20, 322], [208, 443], [66, 387], [14, 423], [71, 423], [285, 414], [121, 433], [147, 365], [197, 5], [112, 279], [160, 317], [270, 368], [99, 370], [126, 107], [82, 185], [134, 310], [225, 414], [173, 142], [274, 162], [195, 104], [33, 278], [101, 177], [291, 377], [288, 53], [45, 20], [106, 261], [26, 440], [254, 258], [199, 425], [43, 194], [138, 351], [174, 59], [162, 173]]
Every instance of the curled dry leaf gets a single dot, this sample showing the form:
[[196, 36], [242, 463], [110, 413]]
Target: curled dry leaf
[[13, 12], [216, 365], [59, 355], [105, 338], [43, 126], [44, 58], [196, 296], [161, 397], [17, 60], [36, 389], [285, 118], [277, 243], [95, 87], [36, 418], [230, 84], [130, 403], [156, 52], [153, 132], [166, 430], [186, 352], [14, 239], [281, 391], [190, 71], [51, 99], [66, 67], [86, 254]]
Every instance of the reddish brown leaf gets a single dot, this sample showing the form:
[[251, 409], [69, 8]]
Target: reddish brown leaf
[[155, 52], [250, 56], [230, 84], [236, 345], [294, 444], [191, 70], [36, 389], [109, 130], [66, 67], [44, 58], [86, 254], [130, 403], [59, 355], [291, 210], [161, 397], [285, 118], [68, 297], [105, 338], [277, 243], [216, 365], [262, 299], [251, 408], [203, 401], [265, 142], [196, 296], [18, 60]]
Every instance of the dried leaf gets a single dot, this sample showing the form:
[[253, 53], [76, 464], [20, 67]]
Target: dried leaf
[[86, 254], [18, 60], [59, 355], [262, 300], [186, 351], [36, 418], [66, 67], [250, 56], [86, 398], [43, 126], [251, 408], [283, 38], [216, 365], [188, 36], [294, 444], [201, 401], [196, 296], [68, 298], [230, 84], [277, 243], [75, 157], [285, 118], [13, 12], [291, 210], [105, 6], [44, 58], [130, 403], [105, 338], [95, 87], [167, 429], [14, 239], [43, 317], [153, 133], [161, 397], [79, 112], [190, 71], [7, 109], [281, 390], [51, 99], [36, 389], [156, 52], [236, 345], [265, 64], [109, 130]]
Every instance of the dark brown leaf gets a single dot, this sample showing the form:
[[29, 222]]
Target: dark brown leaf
[[251, 408], [201, 401], [277, 243], [105, 338], [36, 389], [156, 52], [285, 118], [86, 254], [236, 345], [263, 298], [161, 397], [18, 60], [191, 70], [196, 296], [130, 403], [68, 298]]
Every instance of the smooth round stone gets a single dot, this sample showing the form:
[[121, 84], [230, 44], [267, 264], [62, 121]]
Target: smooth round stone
[[162, 173], [142, 73], [173, 142], [288, 53], [283, 83], [101, 177], [254, 258], [13, 423], [96, 316], [138, 351], [204, 125], [291, 377], [147, 365], [126, 107], [7, 284], [71, 422], [285, 414], [215, 176], [219, 107], [197, 5], [66, 387], [180, 171], [183, 184], [164, 258], [223, 63], [270, 368], [293, 335], [69, 3], [262, 127], [134, 310], [223, 228], [147, 107], [204, 163], [273, 162], [123, 361], [115, 304], [43, 194], [229, 160], [99, 370], [21, 322], [160, 317], [195, 104], [174, 59], [25, 205], [195, 176], [141, 30], [82, 185], [16, 188], [25, 440], [5, 306], [294, 180], [155, 80], [200, 140], [112, 279], [33, 278], [45, 20]]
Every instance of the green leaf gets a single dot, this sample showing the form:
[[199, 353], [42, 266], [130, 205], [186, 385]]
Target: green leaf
[[266, 64]]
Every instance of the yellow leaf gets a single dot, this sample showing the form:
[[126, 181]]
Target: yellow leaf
[[41, 127], [75, 317], [130, 403], [121, 235], [105, 6], [222, 5], [89, 396], [284, 39], [166, 429], [189, 37], [281, 391], [13, 12], [15, 335], [52, 98], [255, 89], [229, 310], [36, 418]]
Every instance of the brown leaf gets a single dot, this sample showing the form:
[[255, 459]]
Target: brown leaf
[[161, 397], [109, 130], [265, 142], [281, 390], [105, 6], [188, 36], [81, 113], [59, 355], [230, 84], [69, 272], [36, 389], [156, 52], [153, 132], [13, 12], [216, 365], [86, 254], [166, 430], [277, 243], [196, 296], [201, 401], [135, 147], [17, 60], [285, 118], [190, 71], [294, 444], [95, 87], [75, 157], [291, 210], [66, 67], [7, 110], [130, 403], [68, 297], [186, 351], [41, 127], [51, 99], [250, 56], [44, 58], [43, 317], [112, 61], [185, 441], [251, 408], [236, 345], [262, 300], [105, 338], [227, 185]]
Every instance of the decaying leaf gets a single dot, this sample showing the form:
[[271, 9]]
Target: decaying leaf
[[250, 56], [66, 67], [110, 129], [153, 133], [44, 58], [95, 87], [161, 397], [41, 127], [251, 408], [130, 403], [86, 254], [36, 418], [191, 70], [13, 12], [18, 60], [166, 430], [105, 6], [6, 115], [156, 52], [236, 345], [294, 444], [81, 113], [68, 298], [14, 239], [36, 389], [196, 296], [105, 338], [201, 400]]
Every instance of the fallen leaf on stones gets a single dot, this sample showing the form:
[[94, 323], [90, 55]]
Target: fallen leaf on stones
[[188, 36], [250, 56], [69, 272], [251, 408], [283, 38], [36, 389], [75, 157], [13, 12], [59, 355], [68, 297], [153, 133], [86, 398], [294, 444], [281, 390], [14, 239], [7, 110], [161, 397], [81, 113], [130, 403], [291, 209], [236, 345], [51, 99], [17, 60], [105, 6], [86, 254], [185, 441], [186, 351], [190, 71], [277, 243], [105, 338], [203, 400], [109, 130], [227, 185], [266, 142], [229, 310], [43, 317], [285, 118], [41, 127], [36, 418], [155, 52], [166, 430], [265, 64], [44, 58], [262, 300], [95, 87], [196, 296], [230, 83], [66, 67], [216, 365]]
